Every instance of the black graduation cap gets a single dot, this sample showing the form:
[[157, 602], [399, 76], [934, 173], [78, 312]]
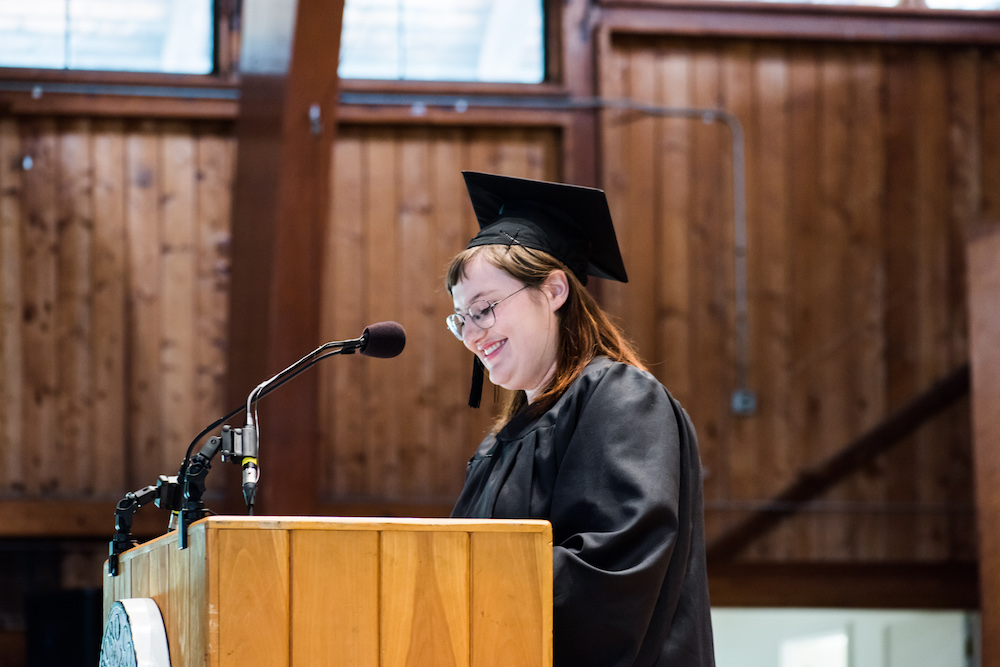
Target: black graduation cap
[[570, 222]]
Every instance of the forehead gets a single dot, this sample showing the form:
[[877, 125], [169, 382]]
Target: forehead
[[482, 280]]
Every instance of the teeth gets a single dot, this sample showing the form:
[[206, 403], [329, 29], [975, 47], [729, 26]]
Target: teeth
[[492, 348]]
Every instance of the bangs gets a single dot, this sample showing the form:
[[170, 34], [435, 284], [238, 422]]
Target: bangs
[[456, 272], [502, 257]]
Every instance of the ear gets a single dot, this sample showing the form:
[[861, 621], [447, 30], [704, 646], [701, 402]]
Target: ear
[[556, 288]]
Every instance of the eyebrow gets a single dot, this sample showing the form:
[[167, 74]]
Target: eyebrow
[[477, 297]]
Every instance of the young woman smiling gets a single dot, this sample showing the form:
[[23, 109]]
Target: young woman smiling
[[589, 440]]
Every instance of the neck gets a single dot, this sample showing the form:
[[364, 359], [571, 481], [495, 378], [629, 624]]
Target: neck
[[532, 394]]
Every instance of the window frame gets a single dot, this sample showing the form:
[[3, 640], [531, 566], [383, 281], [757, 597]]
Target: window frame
[[905, 7], [30, 91], [568, 52], [796, 21]]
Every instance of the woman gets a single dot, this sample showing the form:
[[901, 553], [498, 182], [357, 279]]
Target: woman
[[589, 440]]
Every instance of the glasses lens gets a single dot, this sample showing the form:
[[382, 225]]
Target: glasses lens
[[455, 324], [482, 314]]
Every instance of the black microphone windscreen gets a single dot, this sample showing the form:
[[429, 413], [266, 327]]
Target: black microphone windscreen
[[383, 340]]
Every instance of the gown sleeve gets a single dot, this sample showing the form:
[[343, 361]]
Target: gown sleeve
[[621, 533]]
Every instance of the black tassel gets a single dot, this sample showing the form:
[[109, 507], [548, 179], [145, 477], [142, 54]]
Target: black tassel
[[476, 392]]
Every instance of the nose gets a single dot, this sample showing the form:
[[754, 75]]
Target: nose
[[472, 334]]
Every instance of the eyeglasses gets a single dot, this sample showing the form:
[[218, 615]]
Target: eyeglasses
[[480, 312]]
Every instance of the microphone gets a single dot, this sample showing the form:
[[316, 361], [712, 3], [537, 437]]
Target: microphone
[[251, 473], [382, 340]]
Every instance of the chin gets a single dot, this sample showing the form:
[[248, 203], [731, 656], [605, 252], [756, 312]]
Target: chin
[[503, 384]]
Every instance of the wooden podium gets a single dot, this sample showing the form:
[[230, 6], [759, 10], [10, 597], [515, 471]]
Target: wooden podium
[[304, 592]]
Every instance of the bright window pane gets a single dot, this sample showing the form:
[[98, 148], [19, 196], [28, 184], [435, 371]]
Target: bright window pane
[[866, 3], [964, 4], [33, 34], [823, 651], [126, 35], [443, 40]]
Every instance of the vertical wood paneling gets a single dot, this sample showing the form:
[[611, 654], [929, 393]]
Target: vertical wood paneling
[[984, 323], [832, 426], [195, 587], [673, 256], [181, 599], [866, 291], [769, 274], [865, 165], [334, 580], [11, 342], [805, 251], [86, 355], [178, 273], [144, 301], [382, 285], [73, 327], [419, 571], [417, 308], [342, 422], [213, 183], [261, 557], [966, 73], [505, 568], [109, 404], [712, 251], [988, 171], [931, 226], [615, 73], [900, 100], [738, 97], [636, 215], [39, 283]]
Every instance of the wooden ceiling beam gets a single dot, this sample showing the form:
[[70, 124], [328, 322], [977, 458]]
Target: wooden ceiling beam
[[285, 133], [888, 585], [813, 482], [984, 346], [757, 20], [576, 69]]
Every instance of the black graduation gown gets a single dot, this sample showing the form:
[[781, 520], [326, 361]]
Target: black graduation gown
[[613, 465]]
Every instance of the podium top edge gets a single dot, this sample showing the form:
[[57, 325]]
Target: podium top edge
[[373, 523]]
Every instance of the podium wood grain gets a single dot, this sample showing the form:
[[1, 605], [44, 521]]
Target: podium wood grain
[[333, 568], [425, 598], [282, 591]]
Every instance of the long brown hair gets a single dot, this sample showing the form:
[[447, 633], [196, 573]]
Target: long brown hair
[[585, 330]]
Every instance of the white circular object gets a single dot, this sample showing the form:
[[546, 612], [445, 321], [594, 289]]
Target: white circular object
[[134, 635]]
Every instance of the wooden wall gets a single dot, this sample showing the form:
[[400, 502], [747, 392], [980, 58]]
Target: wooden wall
[[114, 248], [400, 430], [865, 165]]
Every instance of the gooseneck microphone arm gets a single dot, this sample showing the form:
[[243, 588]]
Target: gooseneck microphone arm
[[250, 437], [382, 340], [240, 408]]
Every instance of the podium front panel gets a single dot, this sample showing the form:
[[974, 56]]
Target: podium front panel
[[357, 591]]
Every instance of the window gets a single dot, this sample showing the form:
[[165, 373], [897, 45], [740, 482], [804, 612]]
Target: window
[[173, 36], [906, 4], [443, 40], [962, 4], [828, 650]]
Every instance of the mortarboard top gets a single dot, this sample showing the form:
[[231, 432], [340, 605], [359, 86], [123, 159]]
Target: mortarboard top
[[570, 222]]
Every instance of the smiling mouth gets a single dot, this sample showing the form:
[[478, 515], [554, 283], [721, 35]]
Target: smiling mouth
[[487, 352]]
